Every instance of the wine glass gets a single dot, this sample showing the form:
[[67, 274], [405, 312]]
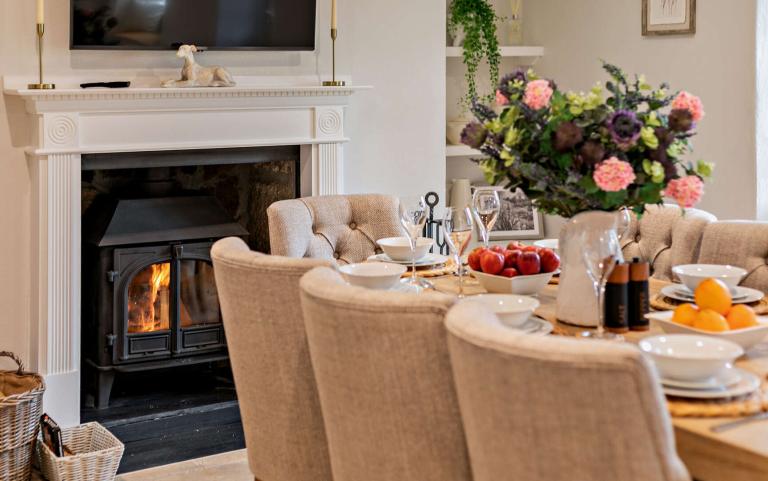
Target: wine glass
[[486, 206], [457, 226], [622, 223], [413, 216], [600, 252]]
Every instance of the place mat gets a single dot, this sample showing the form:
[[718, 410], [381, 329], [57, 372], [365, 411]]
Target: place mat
[[712, 408], [661, 302], [434, 271]]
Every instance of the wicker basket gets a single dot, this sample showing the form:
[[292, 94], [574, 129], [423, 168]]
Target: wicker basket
[[96, 454], [21, 404]]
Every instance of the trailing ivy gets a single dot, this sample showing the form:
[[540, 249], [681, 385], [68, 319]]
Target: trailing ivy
[[478, 20]]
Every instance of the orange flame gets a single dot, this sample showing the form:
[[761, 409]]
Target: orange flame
[[149, 303]]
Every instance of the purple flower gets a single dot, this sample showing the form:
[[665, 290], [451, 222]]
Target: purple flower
[[624, 128], [591, 153], [505, 85], [474, 135]]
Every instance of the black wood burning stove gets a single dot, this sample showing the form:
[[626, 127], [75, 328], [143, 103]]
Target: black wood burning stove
[[149, 296]]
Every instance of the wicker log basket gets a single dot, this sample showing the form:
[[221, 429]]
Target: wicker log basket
[[21, 404], [96, 455]]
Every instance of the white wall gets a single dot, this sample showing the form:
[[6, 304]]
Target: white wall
[[397, 128], [718, 64]]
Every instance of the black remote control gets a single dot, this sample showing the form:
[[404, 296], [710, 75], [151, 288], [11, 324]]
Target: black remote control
[[109, 85]]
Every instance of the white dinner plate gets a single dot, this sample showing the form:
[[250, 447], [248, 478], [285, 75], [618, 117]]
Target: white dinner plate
[[728, 377], [748, 384], [743, 295], [430, 259], [536, 326]]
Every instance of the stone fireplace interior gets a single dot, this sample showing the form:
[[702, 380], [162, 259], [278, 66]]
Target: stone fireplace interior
[[150, 312]]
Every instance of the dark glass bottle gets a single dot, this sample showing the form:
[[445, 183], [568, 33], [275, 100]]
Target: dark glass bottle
[[639, 272], [616, 300]]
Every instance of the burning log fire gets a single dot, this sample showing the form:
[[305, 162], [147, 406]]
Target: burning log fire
[[149, 299]]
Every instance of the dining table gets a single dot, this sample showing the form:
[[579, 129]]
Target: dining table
[[738, 454]]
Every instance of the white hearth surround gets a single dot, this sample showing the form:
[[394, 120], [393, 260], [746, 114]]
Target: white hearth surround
[[72, 122]]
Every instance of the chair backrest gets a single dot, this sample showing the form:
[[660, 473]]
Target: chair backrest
[[739, 243], [341, 227], [276, 388], [384, 377], [557, 409], [665, 236]]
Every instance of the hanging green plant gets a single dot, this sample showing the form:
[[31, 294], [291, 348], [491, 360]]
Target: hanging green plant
[[478, 20]]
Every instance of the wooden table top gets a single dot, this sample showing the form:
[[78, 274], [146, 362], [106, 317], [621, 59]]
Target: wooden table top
[[734, 455]]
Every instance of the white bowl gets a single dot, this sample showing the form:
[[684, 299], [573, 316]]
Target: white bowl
[[692, 274], [553, 244], [522, 285], [399, 249], [689, 357], [745, 338], [373, 275], [511, 310]]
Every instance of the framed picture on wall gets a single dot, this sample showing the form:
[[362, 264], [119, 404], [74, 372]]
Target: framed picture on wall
[[669, 17], [518, 219]]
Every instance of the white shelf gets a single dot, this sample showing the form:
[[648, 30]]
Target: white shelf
[[461, 151], [521, 51]]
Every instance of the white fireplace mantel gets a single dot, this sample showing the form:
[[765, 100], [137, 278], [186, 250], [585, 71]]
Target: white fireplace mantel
[[69, 123]]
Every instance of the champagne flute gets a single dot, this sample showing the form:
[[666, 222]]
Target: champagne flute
[[413, 216], [601, 251], [457, 226], [486, 206]]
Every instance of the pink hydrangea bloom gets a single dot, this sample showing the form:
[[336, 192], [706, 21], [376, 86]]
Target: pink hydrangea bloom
[[613, 175], [691, 103], [537, 94], [687, 191], [501, 99]]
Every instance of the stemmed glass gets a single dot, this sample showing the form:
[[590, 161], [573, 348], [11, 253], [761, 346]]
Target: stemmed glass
[[457, 226], [600, 252], [413, 216], [622, 224], [486, 206]]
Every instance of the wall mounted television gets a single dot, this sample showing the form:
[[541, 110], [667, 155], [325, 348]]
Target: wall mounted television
[[213, 24]]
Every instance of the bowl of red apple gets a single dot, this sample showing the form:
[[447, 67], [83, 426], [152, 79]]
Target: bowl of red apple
[[516, 269]]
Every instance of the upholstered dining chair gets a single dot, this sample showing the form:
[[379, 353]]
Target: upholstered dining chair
[[557, 409], [276, 388], [341, 227], [665, 236], [738, 243], [384, 377]]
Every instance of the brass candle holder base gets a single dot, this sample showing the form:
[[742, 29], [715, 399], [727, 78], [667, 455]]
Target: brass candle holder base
[[40, 85]]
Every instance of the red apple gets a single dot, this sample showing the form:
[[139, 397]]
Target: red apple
[[531, 249], [511, 257], [497, 248], [474, 257], [529, 263], [492, 262], [515, 246], [509, 272], [550, 261]]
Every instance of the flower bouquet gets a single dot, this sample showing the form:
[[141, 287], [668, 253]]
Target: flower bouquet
[[620, 145], [572, 152]]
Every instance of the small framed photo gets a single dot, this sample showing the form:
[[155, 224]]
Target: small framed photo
[[518, 218], [669, 17]]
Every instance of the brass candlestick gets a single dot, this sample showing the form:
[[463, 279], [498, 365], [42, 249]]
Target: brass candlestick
[[333, 82], [41, 85]]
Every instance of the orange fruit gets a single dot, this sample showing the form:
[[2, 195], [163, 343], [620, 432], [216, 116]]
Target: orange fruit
[[709, 320], [685, 314], [741, 317], [713, 294]]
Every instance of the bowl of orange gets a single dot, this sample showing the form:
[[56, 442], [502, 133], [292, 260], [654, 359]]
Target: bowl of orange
[[714, 314]]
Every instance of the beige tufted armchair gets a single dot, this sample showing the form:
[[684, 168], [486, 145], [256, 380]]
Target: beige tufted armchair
[[666, 237], [341, 227], [738, 243]]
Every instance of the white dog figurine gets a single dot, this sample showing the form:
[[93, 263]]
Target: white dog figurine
[[195, 75]]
